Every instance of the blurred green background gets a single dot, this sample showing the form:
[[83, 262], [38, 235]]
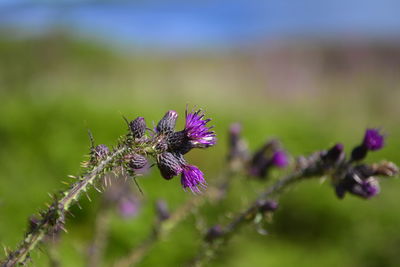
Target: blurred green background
[[308, 92]]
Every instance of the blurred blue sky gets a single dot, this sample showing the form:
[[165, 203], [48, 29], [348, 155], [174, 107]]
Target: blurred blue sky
[[190, 24]]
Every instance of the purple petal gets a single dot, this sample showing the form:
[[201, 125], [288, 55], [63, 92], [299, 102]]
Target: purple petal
[[199, 134], [192, 178]]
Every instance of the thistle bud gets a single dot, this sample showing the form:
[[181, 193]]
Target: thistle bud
[[365, 187], [161, 146], [334, 155], [167, 123], [101, 151], [179, 142], [359, 153], [363, 171], [213, 233], [136, 161], [138, 127], [268, 206], [373, 140], [33, 223], [169, 165]]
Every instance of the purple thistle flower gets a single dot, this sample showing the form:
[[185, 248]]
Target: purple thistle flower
[[280, 159], [370, 187], [373, 140], [192, 178], [358, 184], [196, 134], [197, 131], [366, 188]]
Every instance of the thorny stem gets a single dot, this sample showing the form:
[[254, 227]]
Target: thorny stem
[[60, 207], [163, 229], [208, 251], [252, 210]]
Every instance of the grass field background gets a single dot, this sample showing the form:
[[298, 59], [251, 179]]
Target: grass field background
[[54, 88]]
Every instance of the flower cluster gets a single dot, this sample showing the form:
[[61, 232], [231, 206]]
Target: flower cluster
[[172, 145], [257, 164], [168, 147], [269, 155], [373, 140], [356, 178], [350, 175]]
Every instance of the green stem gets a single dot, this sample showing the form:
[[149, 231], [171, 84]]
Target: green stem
[[46, 224], [209, 250]]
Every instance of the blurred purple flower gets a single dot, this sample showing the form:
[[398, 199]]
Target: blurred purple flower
[[367, 188], [362, 187], [128, 207], [373, 140], [280, 159]]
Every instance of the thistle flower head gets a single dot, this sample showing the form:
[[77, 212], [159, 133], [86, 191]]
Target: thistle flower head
[[370, 188], [279, 159], [138, 127], [169, 165], [366, 188], [135, 161], [197, 131], [192, 178], [167, 123], [358, 183], [335, 153], [373, 139]]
